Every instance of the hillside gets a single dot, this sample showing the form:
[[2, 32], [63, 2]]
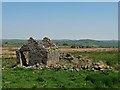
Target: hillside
[[81, 42], [88, 42]]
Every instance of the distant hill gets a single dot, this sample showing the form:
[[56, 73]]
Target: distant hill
[[13, 41], [88, 42], [81, 42]]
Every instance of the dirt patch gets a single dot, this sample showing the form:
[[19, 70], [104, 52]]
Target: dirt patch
[[88, 49]]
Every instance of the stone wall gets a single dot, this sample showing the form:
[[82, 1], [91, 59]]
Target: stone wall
[[53, 56], [46, 53]]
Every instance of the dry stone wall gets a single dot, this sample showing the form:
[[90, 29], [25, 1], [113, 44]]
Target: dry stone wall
[[43, 53]]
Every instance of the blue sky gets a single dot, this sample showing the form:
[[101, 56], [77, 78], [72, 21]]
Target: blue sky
[[0, 20], [87, 20], [60, 0]]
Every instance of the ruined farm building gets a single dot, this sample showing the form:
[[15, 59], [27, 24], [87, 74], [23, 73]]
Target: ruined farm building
[[32, 53]]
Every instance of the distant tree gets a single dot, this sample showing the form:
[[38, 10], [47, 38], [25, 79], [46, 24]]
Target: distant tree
[[80, 46], [6, 42], [88, 46], [73, 46], [83, 47], [65, 44]]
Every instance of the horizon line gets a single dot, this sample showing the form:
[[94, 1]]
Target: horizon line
[[59, 39]]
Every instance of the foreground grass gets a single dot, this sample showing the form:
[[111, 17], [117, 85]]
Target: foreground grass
[[30, 78]]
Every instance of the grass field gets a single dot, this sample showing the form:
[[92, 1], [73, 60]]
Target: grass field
[[32, 78], [111, 57]]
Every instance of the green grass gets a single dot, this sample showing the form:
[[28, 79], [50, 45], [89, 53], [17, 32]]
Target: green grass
[[111, 58], [31, 78]]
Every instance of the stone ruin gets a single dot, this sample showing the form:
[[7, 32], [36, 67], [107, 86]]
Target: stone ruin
[[32, 53], [47, 55], [84, 63]]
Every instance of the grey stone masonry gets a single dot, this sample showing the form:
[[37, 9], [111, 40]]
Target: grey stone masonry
[[45, 53]]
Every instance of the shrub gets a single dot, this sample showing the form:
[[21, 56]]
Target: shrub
[[73, 46], [65, 44]]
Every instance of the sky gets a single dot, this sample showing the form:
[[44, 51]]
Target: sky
[[60, 0], [60, 20], [0, 21]]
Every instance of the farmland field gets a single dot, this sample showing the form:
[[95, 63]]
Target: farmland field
[[33, 78]]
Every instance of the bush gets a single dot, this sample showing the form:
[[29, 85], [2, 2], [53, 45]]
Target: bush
[[65, 44], [73, 46]]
